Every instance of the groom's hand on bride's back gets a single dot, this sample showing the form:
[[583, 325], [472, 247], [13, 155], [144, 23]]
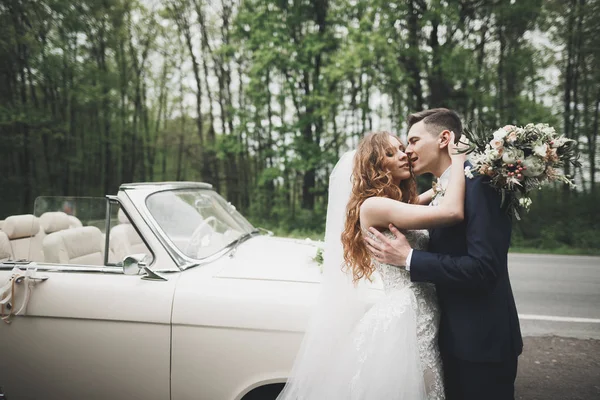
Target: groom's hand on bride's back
[[393, 251]]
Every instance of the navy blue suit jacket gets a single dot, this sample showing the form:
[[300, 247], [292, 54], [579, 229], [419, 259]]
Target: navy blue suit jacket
[[468, 264]]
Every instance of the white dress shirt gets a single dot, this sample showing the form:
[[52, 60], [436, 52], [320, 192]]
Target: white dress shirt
[[442, 184]]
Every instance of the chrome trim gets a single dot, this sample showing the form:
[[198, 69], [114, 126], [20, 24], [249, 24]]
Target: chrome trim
[[160, 186], [80, 318], [266, 231], [9, 265], [133, 264], [144, 239], [182, 261], [153, 276], [162, 237], [109, 198], [231, 246]]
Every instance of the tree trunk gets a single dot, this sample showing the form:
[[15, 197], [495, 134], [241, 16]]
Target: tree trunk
[[211, 134], [500, 100], [183, 23], [592, 145], [412, 62], [568, 86], [477, 98]]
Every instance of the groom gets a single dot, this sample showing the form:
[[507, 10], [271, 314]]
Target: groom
[[479, 337]]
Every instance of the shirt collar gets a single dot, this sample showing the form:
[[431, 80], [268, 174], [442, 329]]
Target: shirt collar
[[443, 180]]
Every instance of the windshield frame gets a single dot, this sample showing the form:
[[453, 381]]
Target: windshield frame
[[182, 260]]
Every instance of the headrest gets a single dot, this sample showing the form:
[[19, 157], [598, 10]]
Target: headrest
[[5, 249], [82, 241], [122, 217], [21, 226], [54, 221], [126, 232], [74, 222]]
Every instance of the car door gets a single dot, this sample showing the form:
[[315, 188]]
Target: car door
[[89, 336], [90, 332]]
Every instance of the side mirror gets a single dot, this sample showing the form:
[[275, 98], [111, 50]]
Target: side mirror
[[134, 264]]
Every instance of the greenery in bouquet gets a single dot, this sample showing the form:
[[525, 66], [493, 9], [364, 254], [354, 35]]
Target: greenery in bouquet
[[519, 160]]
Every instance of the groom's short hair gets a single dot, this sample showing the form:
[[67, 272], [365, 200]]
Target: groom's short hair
[[437, 120]]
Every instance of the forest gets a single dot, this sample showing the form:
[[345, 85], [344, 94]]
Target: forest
[[261, 97]]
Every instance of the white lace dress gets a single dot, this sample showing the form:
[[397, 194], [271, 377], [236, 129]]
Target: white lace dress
[[392, 353]]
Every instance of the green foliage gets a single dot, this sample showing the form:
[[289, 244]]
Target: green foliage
[[95, 93], [319, 256], [558, 222]]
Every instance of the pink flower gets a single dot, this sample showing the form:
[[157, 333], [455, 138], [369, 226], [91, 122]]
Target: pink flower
[[511, 137], [497, 143]]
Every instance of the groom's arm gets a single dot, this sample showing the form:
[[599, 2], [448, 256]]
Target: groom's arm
[[488, 238]]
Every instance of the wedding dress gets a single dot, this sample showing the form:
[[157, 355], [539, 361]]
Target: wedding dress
[[379, 359], [353, 352]]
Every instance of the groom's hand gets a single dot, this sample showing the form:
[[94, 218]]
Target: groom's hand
[[386, 250]]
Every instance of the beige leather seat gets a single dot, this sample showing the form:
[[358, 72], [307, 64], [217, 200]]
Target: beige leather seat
[[5, 249], [54, 221], [23, 231], [83, 246], [50, 222], [74, 222], [1, 223], [125, 241]]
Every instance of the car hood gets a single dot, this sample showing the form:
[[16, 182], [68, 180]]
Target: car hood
[[273, 258]]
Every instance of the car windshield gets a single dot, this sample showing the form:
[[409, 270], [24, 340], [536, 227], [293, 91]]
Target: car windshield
[[198, 222]]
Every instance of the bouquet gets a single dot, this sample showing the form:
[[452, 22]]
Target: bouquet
[[519, 160]]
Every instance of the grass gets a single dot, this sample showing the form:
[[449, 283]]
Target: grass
[[562, 250]]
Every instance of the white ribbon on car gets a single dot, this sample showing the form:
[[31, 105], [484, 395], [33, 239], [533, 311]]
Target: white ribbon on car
[[8, 292]]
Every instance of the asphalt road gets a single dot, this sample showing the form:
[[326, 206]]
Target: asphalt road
[[557, 295], [558, 298]]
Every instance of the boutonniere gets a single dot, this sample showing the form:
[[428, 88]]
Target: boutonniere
[[437, 190]]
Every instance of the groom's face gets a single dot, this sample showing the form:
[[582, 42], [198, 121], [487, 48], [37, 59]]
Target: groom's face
[[423, 148]]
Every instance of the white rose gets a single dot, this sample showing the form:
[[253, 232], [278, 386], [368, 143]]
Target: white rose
[[468, 172], [493, 155], [511, 137], [511, 155], [534, 166], [559, 142], [496, 143], [500, 134], [477, 159], [525, 202], [541, 149], [545, 129]]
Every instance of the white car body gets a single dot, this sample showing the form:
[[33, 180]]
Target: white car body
[[217, 330]]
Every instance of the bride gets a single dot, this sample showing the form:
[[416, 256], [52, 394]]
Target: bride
[[389, 351]]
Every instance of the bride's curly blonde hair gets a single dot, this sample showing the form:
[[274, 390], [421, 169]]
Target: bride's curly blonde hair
[[370, 179]]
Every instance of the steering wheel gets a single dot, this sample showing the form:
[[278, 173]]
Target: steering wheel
[[196, 239]]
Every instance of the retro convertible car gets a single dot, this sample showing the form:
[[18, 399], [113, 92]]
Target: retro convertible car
[[163, 291]]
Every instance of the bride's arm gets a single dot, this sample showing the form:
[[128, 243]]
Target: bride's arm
[[380, 212], [425, 197]]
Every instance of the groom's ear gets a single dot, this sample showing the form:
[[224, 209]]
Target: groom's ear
[[444, 139]]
